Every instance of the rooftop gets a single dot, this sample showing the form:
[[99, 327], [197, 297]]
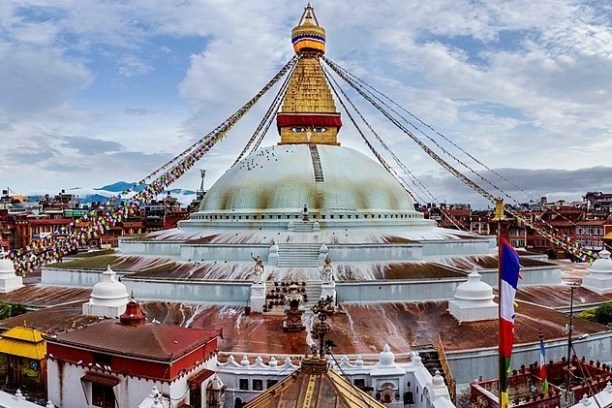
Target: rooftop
[[153, 341]]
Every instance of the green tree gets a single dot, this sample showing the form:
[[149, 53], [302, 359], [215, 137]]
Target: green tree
[[603, 313], [588, 314], [5, 310], [18, 309]]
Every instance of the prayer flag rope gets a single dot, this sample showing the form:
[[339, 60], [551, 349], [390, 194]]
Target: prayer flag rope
[[117, 210]]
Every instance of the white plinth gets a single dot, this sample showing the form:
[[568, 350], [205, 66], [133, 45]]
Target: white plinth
[[329, 289], [470, 312], [598, 284], [258, 297], [10, 283], [103, 311]]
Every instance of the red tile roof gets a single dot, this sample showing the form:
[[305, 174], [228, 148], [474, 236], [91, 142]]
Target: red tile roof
[[153, 341]]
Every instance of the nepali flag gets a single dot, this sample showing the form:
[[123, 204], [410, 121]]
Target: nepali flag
[[543, 366], [509, 267]]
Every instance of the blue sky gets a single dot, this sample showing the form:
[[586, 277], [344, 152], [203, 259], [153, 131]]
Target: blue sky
[[92, 92]]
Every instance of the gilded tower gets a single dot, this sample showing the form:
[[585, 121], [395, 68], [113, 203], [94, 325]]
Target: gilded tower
[[308, 113]]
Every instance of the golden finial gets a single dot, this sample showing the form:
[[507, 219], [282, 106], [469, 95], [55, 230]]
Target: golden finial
[[499, 209], [308, 35]]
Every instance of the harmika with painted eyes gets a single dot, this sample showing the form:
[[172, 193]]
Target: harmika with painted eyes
[[302, 129]]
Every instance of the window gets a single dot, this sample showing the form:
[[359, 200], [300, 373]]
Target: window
[[244, 384], [359, 383], [258, 385], [270, 383], [102, 395]]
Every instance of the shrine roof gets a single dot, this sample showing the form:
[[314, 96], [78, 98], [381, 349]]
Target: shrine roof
[[37, 296], [153, 341], [320, 387]]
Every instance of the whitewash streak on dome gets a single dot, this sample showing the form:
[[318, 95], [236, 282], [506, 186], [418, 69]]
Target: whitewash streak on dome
[[279, 178]]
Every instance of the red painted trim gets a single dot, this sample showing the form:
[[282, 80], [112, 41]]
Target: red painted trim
[[124, 365]]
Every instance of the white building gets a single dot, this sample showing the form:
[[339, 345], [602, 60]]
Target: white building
[[393, 383], [117, 363]]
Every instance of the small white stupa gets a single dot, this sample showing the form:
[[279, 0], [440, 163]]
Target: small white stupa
[[9, 281], [600, 278], [387, 367], [109, 297], [473, 301]]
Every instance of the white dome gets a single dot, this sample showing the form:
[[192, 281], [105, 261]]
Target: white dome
[[603, 264], [289, 177], [109, 292], [438, 380], [386, 357], [473, 301], [474, 289]]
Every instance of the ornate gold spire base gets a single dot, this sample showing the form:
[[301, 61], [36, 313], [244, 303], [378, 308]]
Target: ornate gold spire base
[[308, 114]]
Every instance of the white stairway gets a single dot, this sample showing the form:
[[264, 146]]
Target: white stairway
[[295, 255]]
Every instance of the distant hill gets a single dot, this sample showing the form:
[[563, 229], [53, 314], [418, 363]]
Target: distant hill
[[122, 186], [101, 194]]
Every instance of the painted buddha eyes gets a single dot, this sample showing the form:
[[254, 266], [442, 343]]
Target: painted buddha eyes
[[302, 129]]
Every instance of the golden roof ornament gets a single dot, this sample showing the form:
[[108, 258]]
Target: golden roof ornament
[[308, 35]]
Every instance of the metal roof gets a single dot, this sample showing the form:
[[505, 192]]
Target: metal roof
[[23, 342], [313, 385]]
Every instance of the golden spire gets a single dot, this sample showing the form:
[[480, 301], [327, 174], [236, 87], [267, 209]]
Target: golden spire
[[308, 113], [308, 35]]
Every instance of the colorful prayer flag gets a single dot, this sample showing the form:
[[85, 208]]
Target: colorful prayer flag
[[509, 267], [543, 367]]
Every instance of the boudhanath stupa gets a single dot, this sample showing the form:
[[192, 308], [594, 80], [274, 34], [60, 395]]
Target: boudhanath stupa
[[311, 212]]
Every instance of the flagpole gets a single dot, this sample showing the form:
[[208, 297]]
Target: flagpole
[[499, 215]]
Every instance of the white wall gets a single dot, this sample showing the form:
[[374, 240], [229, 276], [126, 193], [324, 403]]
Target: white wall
[[467, 366], [66, 390]]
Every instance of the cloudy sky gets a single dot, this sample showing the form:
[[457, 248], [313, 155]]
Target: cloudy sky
[[93, 92]]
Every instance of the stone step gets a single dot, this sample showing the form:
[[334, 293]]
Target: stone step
[[299, 245], [316, 164], [288, 259], [303, 227], [299, 251], [294, 264], [313, 292], [298, 255]]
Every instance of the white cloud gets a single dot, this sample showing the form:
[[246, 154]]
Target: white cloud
[[36, 80], [506, 79]]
